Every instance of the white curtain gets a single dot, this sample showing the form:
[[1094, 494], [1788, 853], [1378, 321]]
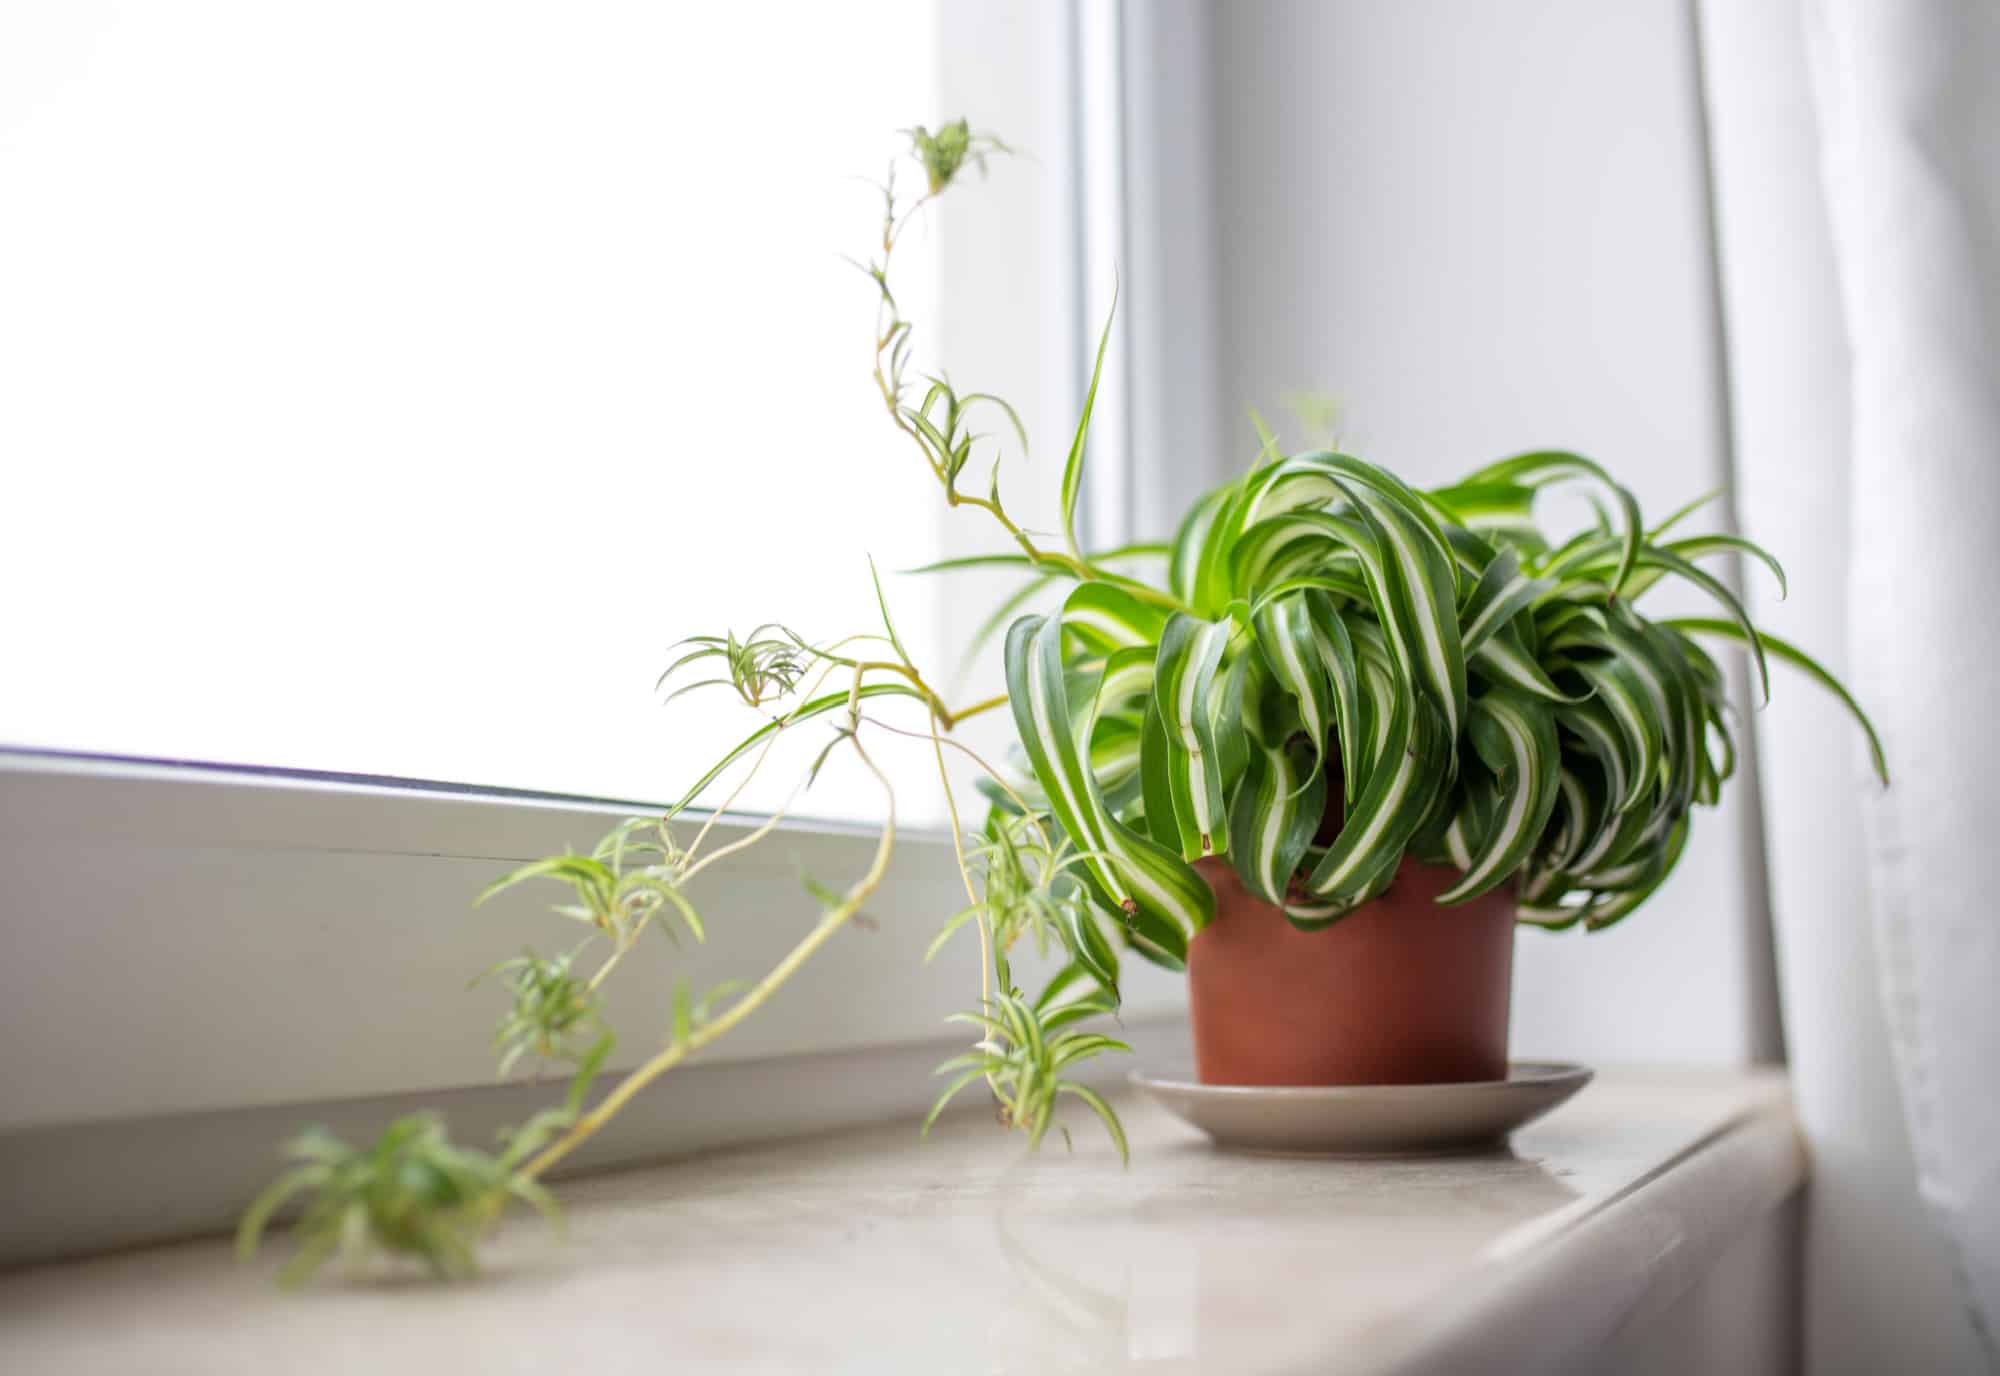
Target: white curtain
[[1908, 94], [1857, 164]]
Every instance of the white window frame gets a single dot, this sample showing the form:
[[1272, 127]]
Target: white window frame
[[207, 953]]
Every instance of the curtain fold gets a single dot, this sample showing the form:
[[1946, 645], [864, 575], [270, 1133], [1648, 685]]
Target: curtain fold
[[1855, 173], [1908, 100]]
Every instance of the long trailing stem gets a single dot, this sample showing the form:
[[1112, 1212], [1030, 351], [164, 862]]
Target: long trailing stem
[[891, 337], [999, 779], [764, 828], [1019, 1061], [832, 921], [979, 918], [716, 813], [610, 963], [946, 717]]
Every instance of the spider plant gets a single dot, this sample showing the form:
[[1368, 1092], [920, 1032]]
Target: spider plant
[[411, 1192], [1431, 669]]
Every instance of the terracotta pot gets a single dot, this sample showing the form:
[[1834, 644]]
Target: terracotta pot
[[1400, 991]]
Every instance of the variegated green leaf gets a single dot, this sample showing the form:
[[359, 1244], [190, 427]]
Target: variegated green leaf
[[1089, 948], [1127, 680], [1184, 563], [1631, 702], [1549, 466], [1498, 510], [1516, 737], [1338, 656], [1156, 781], [1699, 546], [1613, 907], [1162, 900], [1502, 592], [1400, 790], [1105, 618], [1503, 659], [1272, 819], [1289, 641], [1667, 561], [1417, 582], [1183, 679], [1791, 654]]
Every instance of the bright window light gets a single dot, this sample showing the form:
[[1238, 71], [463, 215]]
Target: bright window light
[[385, 385]]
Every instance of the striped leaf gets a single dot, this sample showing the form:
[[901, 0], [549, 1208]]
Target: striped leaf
[[1503, 659], [1156, 783], [1162, 900], [1400, 790], [1183, 679], [1496, 699], [1503, 591], [1653, 557], [1597, 731], [1417, 578], [1550, 466], [1104, 618], [1127, 680], [1611, 908], [1183, 564], [1343, 668], [1791, 654], [1515, 735], [1500, 511], [1288, 638], [1699, 546], [1625, 694], [1272, 820], [1083, 937], [1411, 590]]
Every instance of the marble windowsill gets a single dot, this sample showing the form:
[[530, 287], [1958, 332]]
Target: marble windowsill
[[869, 1251]]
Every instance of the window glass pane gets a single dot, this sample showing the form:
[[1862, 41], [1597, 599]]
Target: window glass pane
[[385, 386]]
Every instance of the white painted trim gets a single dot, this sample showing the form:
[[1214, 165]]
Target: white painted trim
[[199, 957], [1562, 1299], [83, 1188], [186, 940], [1147, 223], [1585, 1248], [1172, 263], [1104, 259]]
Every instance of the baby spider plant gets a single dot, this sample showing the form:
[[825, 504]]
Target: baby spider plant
[[415, 1193], [1337, 671]]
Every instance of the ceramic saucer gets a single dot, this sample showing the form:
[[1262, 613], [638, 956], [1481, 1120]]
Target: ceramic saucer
[[1367, 1120]]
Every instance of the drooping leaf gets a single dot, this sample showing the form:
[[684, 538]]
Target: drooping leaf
[[1183, 677], [1516, 737], [1791, 654], [1548, 466], [1163, 901], [1503, 591], [1272, 819], [1105, 618], [1401, 789], [1287, 636]]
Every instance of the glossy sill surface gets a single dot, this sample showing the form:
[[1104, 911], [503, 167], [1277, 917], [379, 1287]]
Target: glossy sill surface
[[870, 1251]]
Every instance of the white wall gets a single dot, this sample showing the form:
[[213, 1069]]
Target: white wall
[[1483, 229]]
